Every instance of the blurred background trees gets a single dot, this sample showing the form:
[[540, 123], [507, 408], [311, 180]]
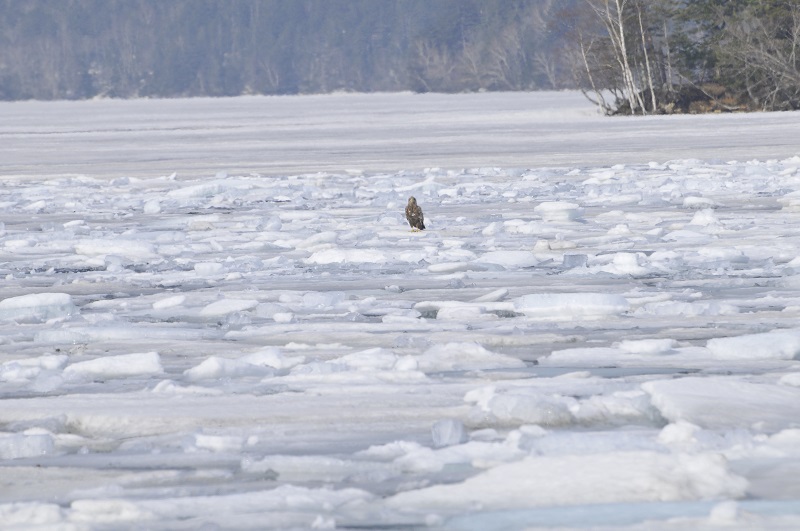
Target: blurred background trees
[[630, 56], [147, 48]]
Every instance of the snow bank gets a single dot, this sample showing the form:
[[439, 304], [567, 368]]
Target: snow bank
[[612, 477], [39, 307], [559, 306]]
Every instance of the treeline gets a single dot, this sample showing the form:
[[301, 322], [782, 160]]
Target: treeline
[[643, 57], [77, 49], [629, 56]]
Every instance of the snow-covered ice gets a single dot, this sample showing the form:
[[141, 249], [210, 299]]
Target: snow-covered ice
[[600, 342]]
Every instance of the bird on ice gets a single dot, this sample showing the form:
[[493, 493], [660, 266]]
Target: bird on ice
[[414, 215]]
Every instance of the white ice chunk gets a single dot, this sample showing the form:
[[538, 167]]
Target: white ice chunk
[[492, 229], [169, 302], [226, 306], [132, 249], [790, 201], [679, 433], [464, 356], [559, 306], [169, 387], [39, 306], [632, 264], [122, 366], [153, 206], [107, 511], [687, 309], [698, 203], [723, 403], [792, 379], [647, 346], [493, 296], [217, 443], [215, 367], [455, 267], [318, 241], [448, 432], [283, 317], [31, 515], [204, 269], [781, 345], [687, 236], [342, 256], [33, 443], [323, 300], [22, 370], [272, 357], [704, 218], [724, 514], [509, 259], [369, 360], [559, 211], [532, 408], [206, 189], [464, 313], [610, 477]]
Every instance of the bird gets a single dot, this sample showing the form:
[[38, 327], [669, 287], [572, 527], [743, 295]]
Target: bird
[[414, 215]]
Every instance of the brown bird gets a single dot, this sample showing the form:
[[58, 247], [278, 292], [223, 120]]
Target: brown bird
[[414, 215]]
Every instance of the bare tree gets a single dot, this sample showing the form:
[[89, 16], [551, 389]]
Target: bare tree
[[649, 72], [432, 66], [614, 15], [763, 54]]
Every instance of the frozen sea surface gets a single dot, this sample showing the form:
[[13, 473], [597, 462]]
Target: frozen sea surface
[[372, 133], [608, 339]]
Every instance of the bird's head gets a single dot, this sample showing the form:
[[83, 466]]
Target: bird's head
[[412, 200]]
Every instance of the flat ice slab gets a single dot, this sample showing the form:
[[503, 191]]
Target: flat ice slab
[[719, 403]]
